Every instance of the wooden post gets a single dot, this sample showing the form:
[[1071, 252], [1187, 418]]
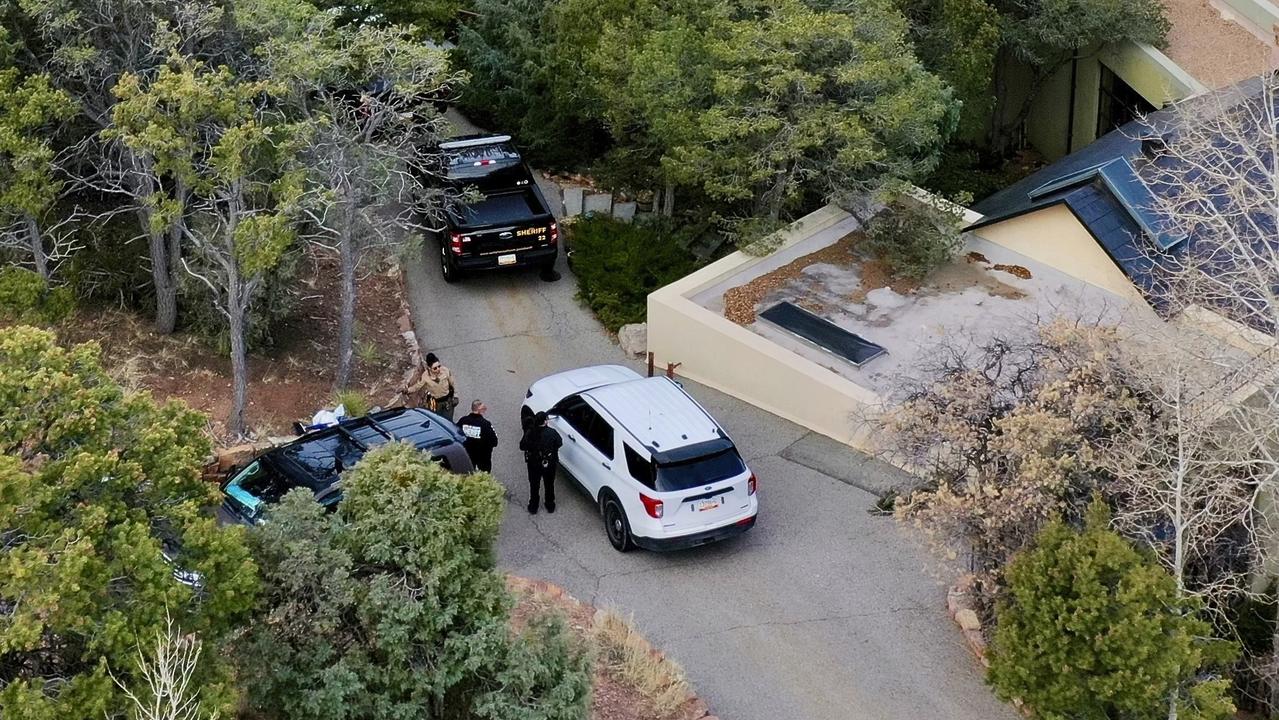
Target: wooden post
[[650, 364], [670, 369]]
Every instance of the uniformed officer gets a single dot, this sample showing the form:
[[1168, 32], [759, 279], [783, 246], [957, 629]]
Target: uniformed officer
[[480, 438], [541, 446]]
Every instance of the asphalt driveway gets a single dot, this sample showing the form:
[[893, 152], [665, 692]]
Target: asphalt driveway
[[822, 612]]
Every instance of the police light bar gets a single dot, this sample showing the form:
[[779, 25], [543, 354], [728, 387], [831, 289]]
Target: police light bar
[[474, 142]]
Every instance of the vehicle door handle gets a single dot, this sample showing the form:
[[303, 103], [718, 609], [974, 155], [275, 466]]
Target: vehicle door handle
[[610, 467], [570, 437]]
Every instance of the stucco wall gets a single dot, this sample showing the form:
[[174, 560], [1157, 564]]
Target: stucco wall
[[1262, 15], [1151, 73], [1055, 237], [721, 354]]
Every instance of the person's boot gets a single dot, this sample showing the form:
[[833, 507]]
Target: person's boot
[[532, 508], [550, 506]]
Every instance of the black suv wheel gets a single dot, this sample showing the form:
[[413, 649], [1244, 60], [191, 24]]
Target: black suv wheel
[[450, 271]]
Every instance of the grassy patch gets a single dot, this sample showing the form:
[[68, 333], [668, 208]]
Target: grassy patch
[[618, 264], [627, 655], [356, 404]]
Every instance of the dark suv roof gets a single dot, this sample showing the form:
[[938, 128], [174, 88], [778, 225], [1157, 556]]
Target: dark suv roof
[[317, 459]]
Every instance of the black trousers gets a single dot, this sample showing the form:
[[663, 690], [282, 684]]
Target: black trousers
[[541, 476], [481, 459]]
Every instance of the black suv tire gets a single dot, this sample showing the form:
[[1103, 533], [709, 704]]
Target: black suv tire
[[450, 271]]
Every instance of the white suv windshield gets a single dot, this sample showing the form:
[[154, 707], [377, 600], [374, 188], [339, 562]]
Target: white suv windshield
[[699, 471]]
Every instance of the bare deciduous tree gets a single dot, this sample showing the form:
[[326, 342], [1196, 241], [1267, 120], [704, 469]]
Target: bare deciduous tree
[[1211, 166], [163, 689], [1005, 433]]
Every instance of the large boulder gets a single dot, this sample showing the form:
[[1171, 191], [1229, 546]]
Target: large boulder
[[634, 339]]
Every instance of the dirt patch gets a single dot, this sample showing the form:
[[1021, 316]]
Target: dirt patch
[[1014, 270], [957, 277], [740, 302], [875, 275], [288, 381]]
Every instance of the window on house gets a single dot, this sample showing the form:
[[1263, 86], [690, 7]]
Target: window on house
[[1118, 103]]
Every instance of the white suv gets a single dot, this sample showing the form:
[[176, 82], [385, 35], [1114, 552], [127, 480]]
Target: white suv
[[662, 472]]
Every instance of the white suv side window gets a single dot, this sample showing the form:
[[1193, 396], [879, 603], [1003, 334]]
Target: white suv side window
[[589, 425], [640, 468]]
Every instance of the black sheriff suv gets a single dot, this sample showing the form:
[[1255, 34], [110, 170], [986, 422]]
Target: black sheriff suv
[[494, 214]]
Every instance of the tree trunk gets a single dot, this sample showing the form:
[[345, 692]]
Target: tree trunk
[[1272, 685], [346, 317], [239, 361], [995, 137], [1001, 133], [37, 246], [166, 293], [237, 306], [175, 233], [162, 275], [777, 195], [668, 207]]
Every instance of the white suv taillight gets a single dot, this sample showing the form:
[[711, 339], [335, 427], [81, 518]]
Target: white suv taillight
[[652, 506], [750, 485]]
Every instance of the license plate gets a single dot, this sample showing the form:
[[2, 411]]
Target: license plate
[[506, 259], [705, 505]]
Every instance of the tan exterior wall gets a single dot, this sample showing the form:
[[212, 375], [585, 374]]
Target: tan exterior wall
[[1055, 237], [1261, 15], [1151, 73], [720, 354]]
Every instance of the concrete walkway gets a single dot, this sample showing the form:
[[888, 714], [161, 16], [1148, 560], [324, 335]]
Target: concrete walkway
[[822, 612]]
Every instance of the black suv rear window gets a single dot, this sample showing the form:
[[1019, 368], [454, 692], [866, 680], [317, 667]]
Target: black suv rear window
[[699, 471], [479, 160]]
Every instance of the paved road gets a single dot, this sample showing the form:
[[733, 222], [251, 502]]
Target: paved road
[[822, 612]]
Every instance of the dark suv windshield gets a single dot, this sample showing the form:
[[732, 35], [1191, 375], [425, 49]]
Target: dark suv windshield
[[699, 471]]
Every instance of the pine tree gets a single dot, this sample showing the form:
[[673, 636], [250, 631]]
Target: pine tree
[[392, 607], [1092, 629], [97, 485]]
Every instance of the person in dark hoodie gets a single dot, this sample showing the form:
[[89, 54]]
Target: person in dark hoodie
[[541, 446], [480, 438]]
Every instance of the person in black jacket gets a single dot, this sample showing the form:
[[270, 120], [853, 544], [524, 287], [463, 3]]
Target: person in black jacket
[[541, 446], [480, 438]]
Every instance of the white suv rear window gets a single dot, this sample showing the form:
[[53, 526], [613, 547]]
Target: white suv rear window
[[699, 471]]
